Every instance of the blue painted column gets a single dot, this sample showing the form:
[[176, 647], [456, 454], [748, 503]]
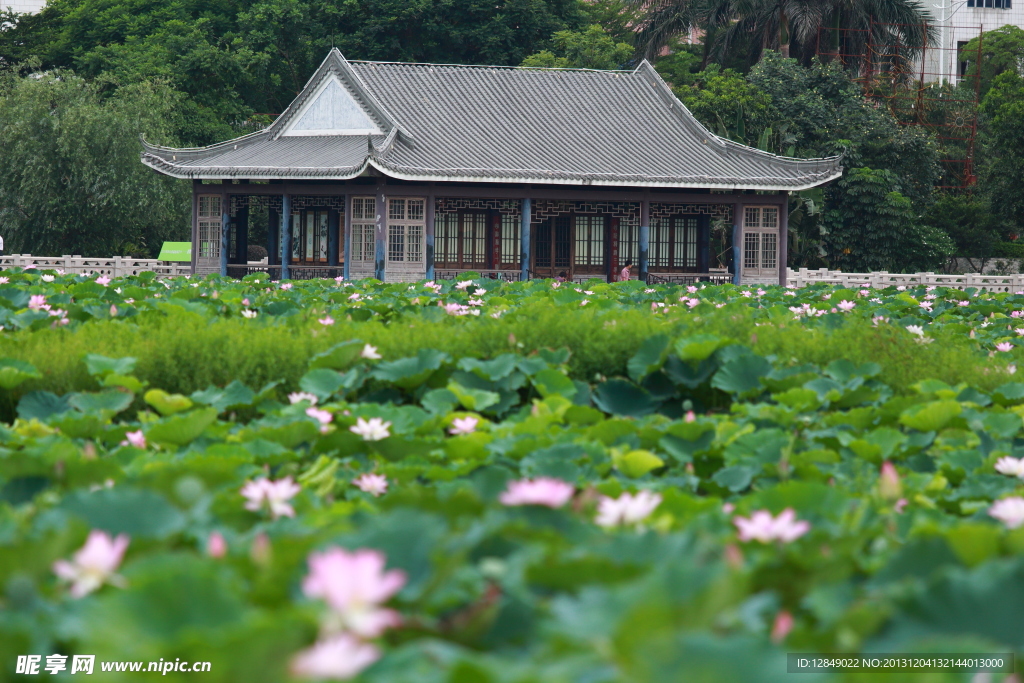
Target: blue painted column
[[286, 236], [737, 243], [346, 271], [524, 239], [381, 233], [333, 242], [783, 238], [429, 230], [645, 237], [225, 233]]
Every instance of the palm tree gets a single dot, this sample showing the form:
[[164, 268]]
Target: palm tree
[[892, 31]]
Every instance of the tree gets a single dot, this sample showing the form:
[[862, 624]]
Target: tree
[[783, 24], [1002, 50], [1002, 174], [970, 223], [825, 113], [869, 225], [588, 49], [71, 181]]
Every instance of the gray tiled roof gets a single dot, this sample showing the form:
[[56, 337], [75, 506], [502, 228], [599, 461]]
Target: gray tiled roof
[[469, 123]]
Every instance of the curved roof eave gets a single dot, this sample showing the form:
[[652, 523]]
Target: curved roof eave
[[160, 164]]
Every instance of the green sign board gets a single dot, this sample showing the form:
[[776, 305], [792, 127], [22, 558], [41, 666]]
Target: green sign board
[[176, 251]]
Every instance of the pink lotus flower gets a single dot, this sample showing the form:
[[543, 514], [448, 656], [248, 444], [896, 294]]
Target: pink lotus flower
[[321, 416], [248, 313], [373, 430], [216, 546], [286, 286], [94, 564], [370, 353], [354, 584], [1013, 467], [37, 302], [326, 320], [4, 280], [339, 279], [136, 438], [1009, 511], [889, 486], [355, 296], [693, 302], [113, 310], [845, 305], [782, 626], [1004, 347], [46, 278], [626, 509], [764, 528], [553, 493], [103, 280], [691, 289], [462, 284], [337, 658], [374, 484], [272, 494], [463, 425], [900, 505], [690, 416], [297, 396]]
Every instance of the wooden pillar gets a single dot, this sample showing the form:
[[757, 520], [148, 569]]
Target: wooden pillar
[[783, 238], [286, 235], [242, 232], [645, 237], [346, 268], [379, 270], [429, 230], [737, 243], [524, 240], [494, 221], [225, 232], [196, 187], [613, 250], [333, 238]]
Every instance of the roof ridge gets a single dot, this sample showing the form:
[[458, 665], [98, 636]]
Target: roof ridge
[[495, 66]]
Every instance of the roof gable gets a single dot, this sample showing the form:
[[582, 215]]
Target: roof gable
[[334, 101], [332, 110]]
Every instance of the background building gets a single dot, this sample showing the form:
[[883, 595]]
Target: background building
[[23, 6]]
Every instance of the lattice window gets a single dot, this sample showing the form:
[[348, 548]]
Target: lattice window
[[751, 249], [510, 246], [673, 243], [590, 240], [309, 236], [364, 229], [769, 245], [209, 225], [760, 239], [629, 241], [460, 240], [405, 230], [446, 239]]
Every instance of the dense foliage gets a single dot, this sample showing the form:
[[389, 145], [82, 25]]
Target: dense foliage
[[218, 521], [71, 181]]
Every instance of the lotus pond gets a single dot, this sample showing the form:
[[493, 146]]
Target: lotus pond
[[478, 481]]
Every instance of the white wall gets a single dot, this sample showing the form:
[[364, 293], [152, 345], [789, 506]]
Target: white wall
[[963, 25], [23, 6]]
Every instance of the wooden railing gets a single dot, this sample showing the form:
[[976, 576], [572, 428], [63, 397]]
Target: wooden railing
[[882, 279], [110, 267]]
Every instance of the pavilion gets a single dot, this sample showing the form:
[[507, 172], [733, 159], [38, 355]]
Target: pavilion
[[409, 171]]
